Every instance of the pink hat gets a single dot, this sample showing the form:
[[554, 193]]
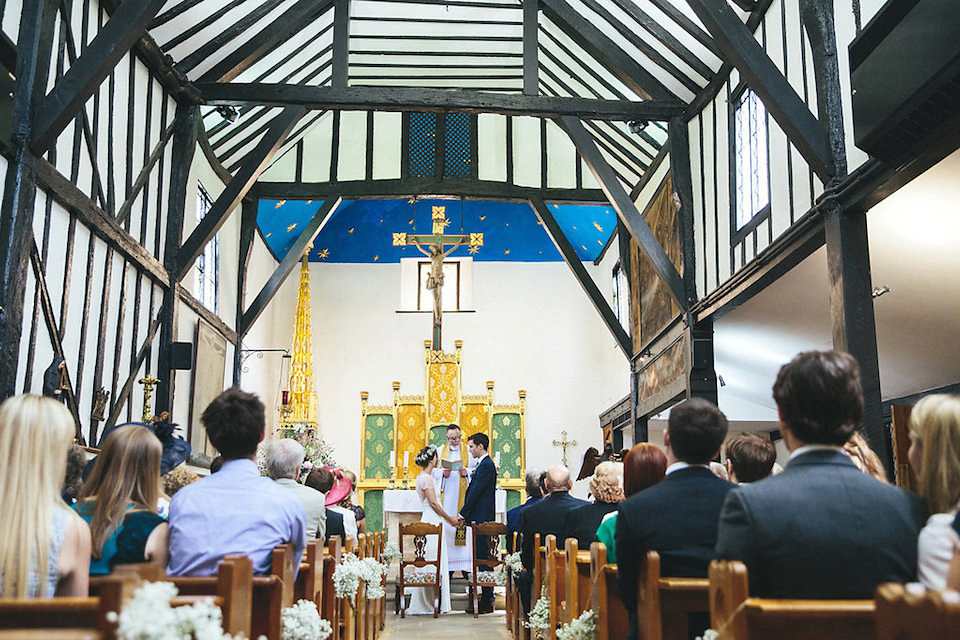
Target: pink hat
[[341, 487]]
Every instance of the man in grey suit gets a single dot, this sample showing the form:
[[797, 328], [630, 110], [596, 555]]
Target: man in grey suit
[[821, 528]]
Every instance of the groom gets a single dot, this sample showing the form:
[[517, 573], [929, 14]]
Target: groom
[[479, 503]]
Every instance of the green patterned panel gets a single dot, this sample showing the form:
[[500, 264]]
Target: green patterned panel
[[506, 440], [438, 435], [378, 445], [373, 507], [513, 499]]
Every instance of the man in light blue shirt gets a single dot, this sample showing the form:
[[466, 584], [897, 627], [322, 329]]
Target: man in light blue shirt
[[235, 510]]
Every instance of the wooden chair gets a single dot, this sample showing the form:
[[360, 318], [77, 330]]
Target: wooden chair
[[578, 580], [914, 613], [664, 603], [737, 616], [67, 618], [420, 532], [555, 566], [331, 605], [612, 620], [492, 531], [232, 589]]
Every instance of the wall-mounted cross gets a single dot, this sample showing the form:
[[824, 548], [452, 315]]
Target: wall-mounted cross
[[433, 246], [563, 442]]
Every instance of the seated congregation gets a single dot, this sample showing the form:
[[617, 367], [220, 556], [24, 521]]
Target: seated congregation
[[666, 548]]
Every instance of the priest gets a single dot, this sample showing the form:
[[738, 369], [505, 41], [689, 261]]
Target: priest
[[452, 476]]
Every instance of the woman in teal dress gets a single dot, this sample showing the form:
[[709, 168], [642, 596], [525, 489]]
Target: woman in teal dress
[[119, 501]]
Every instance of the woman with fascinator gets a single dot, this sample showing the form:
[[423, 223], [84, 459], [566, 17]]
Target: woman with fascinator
[[421, 601]]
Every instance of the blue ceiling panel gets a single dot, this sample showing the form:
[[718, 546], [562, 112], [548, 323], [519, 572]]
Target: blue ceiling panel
[[361, 231]]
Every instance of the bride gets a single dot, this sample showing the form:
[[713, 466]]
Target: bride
[[421, 601]]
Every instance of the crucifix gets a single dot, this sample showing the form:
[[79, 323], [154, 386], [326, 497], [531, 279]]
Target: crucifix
[[563, 442], [434, 246]]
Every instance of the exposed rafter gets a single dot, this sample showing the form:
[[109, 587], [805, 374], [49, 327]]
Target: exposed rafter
[[464, 101], [583, 277], [254, 164], [781, 101], [115, 39], [625, 208], [288, 264], [611, 56]]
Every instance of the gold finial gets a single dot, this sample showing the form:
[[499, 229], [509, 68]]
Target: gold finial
[[302, 408]]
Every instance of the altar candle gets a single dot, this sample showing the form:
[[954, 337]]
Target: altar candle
[[496, 458], [393, 459], [406, 459], [286, 397]]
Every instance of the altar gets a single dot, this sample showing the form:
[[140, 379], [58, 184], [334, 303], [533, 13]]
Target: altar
[[402, 506]]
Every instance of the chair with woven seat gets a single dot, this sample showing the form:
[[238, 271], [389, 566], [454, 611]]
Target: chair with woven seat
[[486, 538], [421, 532]]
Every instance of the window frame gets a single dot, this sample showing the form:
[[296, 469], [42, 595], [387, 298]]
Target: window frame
[[738, 232], [422, 292], [210, 253]]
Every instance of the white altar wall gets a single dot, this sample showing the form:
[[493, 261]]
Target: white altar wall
[[533, 328]]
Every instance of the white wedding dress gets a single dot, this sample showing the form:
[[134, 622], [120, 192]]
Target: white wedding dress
[[421, 598]]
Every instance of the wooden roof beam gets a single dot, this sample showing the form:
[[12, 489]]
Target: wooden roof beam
[[253, 165], [783, 104], [625, 208], [438, 100], [583, 276], [124, 28], [592, 40], [288, 264]]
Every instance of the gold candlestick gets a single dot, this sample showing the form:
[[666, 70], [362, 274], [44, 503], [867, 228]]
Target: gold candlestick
[[148, 381]]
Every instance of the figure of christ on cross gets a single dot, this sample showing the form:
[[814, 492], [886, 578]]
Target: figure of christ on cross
[[434, 247]]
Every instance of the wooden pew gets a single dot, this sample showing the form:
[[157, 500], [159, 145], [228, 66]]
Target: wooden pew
[[331, 605], [515, 614], [310, 575], [612, 621], [232, 589], [664, 603], [67, 618], [272, 594], [539, 568], [555, 569], [737, 616], [578, 580], [914, 613]]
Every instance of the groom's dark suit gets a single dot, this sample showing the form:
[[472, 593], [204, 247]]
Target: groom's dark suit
[[821, 529], [480, 505]]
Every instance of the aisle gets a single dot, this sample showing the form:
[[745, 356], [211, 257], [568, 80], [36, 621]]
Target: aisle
[[491, 626]]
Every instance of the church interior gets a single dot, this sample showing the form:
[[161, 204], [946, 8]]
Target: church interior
[[638, 202]]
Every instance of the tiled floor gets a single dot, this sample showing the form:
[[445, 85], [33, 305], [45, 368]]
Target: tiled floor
[[451, 626]]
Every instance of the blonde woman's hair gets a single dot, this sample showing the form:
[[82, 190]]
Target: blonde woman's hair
[[864, 457], [935, 423], [35, 433], [127, 471], [606, 485]]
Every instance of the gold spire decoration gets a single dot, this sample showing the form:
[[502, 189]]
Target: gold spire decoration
[[303, 399]]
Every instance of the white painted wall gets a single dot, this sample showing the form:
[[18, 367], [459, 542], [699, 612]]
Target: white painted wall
[[533, 328]]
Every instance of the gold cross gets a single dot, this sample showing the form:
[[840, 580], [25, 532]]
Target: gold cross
[[563, 442], [433, 246]]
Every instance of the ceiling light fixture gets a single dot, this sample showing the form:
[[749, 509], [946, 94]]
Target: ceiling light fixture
[[230, 114], [637, 126]]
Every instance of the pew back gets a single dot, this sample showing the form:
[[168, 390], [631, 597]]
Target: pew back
[[612, 620]]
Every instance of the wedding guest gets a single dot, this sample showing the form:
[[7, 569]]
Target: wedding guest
[[606, 486], [341, 489], [283, 459], [321, 479], [44, 545], [750, 457], [177, 479], [534, 495], [72, 480], [864, 457], [934, 455], [119, 501], [676, 517], [235, 510], [347, 503], [643, 466], [821, 528]]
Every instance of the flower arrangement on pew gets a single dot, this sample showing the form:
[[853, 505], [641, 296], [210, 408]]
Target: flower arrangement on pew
[[390, 553], [149, 616], [349, 573], [583, 628], [538, 620], [709, 634], [512, 562], [303, 622]]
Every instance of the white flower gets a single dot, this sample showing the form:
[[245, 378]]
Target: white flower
[[709, 634], [583, 628], [346, 577], [513, 562], [303, 622], [538, 620], [149, 616]]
